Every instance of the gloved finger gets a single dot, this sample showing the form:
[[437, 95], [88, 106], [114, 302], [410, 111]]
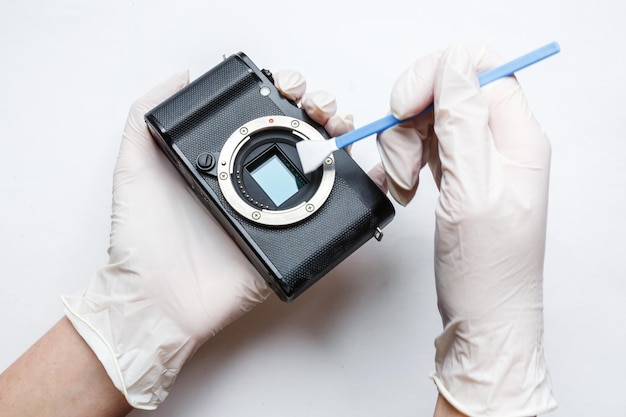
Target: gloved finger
[[138, 148], [518, 136], [291, 84], [320, 106], [519, 139], [378, 175], [401, 147], [466, 148], [401, 151], [339, 124], [153, 97]]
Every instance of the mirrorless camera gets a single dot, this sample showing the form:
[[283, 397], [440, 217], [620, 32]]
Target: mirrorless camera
[[232, 136]]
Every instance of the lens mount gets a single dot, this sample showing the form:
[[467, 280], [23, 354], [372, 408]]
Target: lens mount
[[260, 174]]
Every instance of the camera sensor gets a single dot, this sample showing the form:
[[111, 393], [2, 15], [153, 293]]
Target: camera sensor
[[276, 175]]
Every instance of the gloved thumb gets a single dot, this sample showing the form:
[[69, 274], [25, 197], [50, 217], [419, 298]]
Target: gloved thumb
[[137, 147], [135, 132], [155, 96]]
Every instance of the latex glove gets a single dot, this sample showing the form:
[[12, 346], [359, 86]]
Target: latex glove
[[319, 105], [174, 278], [490, 159]]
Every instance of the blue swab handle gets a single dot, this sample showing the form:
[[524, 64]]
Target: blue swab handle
[[483, 79]]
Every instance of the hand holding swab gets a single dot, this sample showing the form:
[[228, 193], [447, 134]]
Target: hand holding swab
[[312, 153]]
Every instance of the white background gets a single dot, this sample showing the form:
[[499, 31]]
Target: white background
[[361, 341]]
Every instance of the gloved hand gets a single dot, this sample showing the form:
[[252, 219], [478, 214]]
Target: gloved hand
[[319, 105], [490, 159], [174, 277]]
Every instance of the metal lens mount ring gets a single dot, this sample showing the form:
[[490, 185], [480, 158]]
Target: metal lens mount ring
[[226, 170]]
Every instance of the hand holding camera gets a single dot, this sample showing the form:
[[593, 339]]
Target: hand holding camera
[[233, 137], [175, 277]]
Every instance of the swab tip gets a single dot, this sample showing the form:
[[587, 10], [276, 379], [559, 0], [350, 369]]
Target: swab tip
[[312, 153]]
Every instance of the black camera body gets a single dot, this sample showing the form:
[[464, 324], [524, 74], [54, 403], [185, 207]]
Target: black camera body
[[232, 136]]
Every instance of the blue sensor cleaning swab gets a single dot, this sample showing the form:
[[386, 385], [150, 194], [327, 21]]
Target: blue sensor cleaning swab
[[312, 153]]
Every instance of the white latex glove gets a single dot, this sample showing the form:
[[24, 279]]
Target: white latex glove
[[491, 160], [175, 278], [319, 105]]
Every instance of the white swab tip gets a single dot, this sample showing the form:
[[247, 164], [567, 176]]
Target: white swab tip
[[312, 153]]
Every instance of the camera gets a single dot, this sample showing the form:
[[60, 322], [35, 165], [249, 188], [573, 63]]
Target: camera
[[232, 136]]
